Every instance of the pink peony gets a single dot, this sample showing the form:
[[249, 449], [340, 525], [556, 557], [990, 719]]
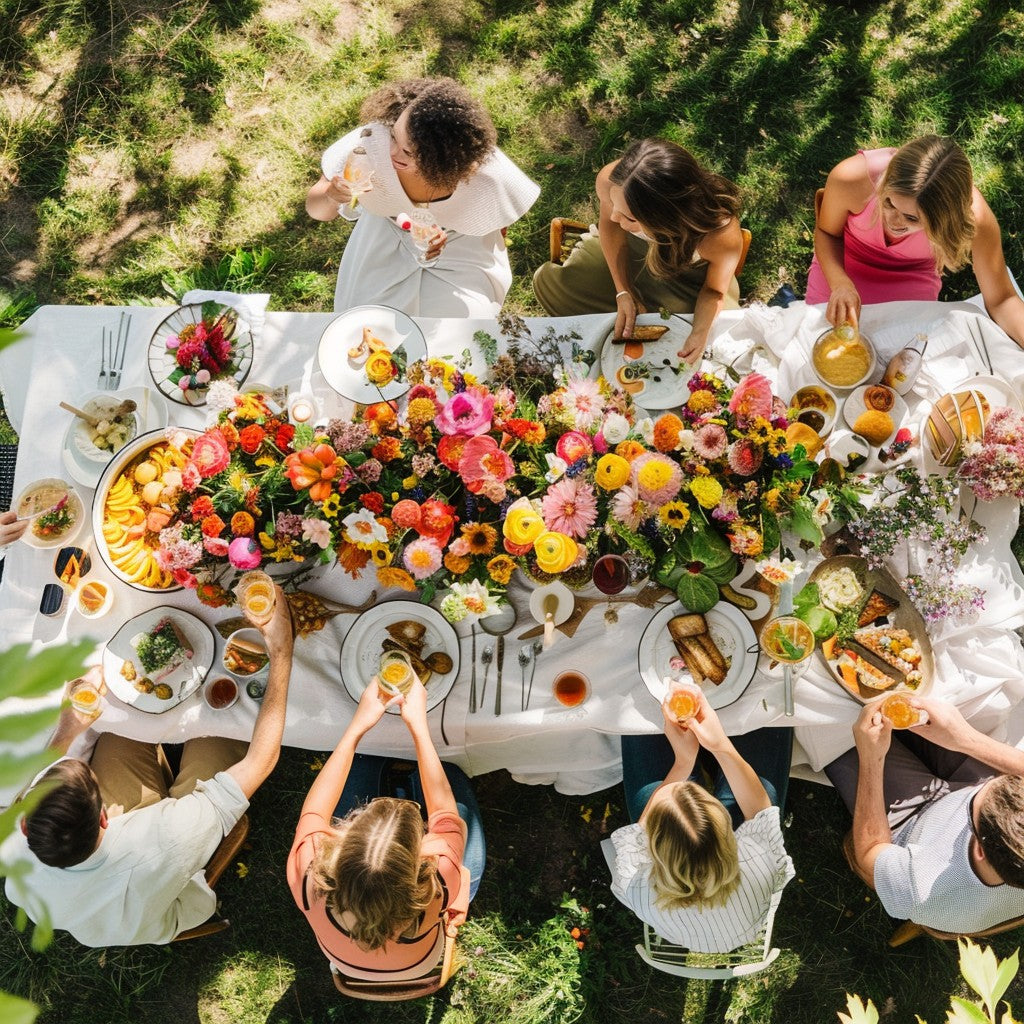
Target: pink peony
[[570, 507], [710, 441], [216, 546], [422, 557], [210, 454], [244, 553], [572, 446], [752, 398], [745, 458], [484, 467], [467, 414]]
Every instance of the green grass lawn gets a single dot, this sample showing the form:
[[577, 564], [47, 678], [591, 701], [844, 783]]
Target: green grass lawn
[[148, 148]]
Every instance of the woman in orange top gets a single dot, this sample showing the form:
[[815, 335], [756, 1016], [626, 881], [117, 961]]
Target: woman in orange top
[[380, 890]]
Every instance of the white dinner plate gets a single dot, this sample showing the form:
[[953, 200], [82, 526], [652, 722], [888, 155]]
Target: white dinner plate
[[653, 377], [184, 680], [854, 406], [348, 377], [152, 415], [362, 647], [732, 633]]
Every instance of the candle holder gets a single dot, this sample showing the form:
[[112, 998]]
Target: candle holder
[[303, 408]]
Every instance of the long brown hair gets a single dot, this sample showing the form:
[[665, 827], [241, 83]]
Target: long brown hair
[[371, 868], [676, 200], [936, 174]]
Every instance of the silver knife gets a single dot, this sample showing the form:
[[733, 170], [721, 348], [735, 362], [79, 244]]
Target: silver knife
[[472, 681], [501, 665]]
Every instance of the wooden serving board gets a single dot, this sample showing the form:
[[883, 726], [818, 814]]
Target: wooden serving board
[[906, 616]]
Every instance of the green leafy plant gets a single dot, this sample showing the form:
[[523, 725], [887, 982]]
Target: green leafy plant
[[988, 976]]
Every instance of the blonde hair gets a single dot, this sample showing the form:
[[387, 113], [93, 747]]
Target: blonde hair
[[693, 849], [674, 199], [371, 869], [936, 174]]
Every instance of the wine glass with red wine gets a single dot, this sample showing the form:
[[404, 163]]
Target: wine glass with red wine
[[611, 576]]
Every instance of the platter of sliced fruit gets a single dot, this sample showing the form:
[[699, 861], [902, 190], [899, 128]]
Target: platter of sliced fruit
[[872, 638], [136, 498]]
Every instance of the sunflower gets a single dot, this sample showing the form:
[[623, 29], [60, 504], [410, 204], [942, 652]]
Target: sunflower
[[480, 538], [675, 514]]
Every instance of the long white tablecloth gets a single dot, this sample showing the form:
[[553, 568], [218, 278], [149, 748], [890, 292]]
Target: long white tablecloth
[[980, 666]]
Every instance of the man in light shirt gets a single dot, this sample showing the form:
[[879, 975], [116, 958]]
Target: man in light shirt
[[117, 879], [938, 818]]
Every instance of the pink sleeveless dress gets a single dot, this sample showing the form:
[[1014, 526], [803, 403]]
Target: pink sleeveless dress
[[881, 271]]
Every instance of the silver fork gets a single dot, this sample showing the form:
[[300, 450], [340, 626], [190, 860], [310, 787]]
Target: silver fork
[[124, 325], [524, 660], [538, 648], [101, 381]]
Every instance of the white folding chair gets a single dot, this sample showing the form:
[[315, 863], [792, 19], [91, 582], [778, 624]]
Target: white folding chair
[[666, 956], [671, 958]]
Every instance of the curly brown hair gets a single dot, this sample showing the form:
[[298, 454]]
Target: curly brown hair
[[675, 199], [450, 131]]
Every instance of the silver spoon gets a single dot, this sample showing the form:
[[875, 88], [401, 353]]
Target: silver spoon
[[486, 656], [524, 660], [538, 647]]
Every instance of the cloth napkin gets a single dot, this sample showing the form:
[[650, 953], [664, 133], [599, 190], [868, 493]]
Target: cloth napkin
[[252, 306]]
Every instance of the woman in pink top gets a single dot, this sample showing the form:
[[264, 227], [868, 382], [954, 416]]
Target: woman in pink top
[[380, 889], [891, 220]]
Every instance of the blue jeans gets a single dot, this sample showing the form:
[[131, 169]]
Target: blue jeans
[[372, 776], [646, 760]]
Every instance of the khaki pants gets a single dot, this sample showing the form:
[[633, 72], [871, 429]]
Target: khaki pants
[[133, 774], [583, 284]]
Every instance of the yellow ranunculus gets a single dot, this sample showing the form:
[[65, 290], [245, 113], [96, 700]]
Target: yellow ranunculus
[[612, 472], [523, 525], [379, 368], [555, 552]]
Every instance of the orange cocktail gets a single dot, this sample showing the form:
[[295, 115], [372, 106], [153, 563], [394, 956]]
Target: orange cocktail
[[900, 712]]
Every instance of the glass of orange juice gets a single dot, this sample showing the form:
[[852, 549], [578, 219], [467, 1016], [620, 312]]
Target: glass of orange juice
[[395, 674], [85, 699], [683, 700], [255, 593], [901, 713]]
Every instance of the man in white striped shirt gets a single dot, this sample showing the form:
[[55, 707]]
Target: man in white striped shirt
[[938, 818]]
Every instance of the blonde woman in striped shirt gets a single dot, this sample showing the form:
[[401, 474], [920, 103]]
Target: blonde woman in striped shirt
[[701, 864]]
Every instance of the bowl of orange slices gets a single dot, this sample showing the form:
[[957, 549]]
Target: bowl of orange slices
[[136, 498]]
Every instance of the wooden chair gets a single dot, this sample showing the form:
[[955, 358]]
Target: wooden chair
[[221, 860], [395, 991], [907, 931], [565, 233], [672, 958]]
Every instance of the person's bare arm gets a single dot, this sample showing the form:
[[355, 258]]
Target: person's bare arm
[[72, 723], [615, 246], [10, 529], [1002, 302], [722, 249], [685, 747], [324, 198], [437, 791], [948, 728], [747, 788], [847, 191], [265, 746], [871, 833]]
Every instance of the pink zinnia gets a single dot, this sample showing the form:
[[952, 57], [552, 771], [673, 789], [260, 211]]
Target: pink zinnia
[[745, 458], [466, 414], [752, 398], [710, 441], [422, 557], [570, 507], [407, 514], [629, 508]]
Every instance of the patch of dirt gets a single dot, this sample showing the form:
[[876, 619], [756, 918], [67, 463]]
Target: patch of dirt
[[201, 156], [343, 26], [134, 227]]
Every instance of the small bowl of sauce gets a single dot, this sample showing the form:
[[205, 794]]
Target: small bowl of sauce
[[221, 693]]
